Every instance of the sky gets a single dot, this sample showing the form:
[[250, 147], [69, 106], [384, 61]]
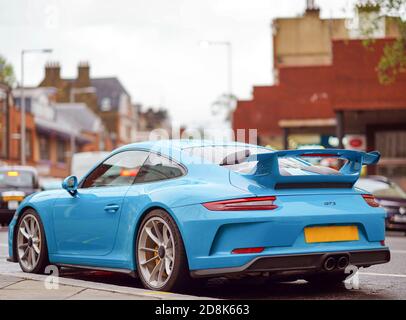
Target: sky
[[152, 46]]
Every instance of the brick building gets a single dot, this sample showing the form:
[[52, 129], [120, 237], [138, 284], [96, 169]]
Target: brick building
[[107, 97], [53, 130], [319, 99]]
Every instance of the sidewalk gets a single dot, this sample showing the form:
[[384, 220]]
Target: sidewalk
[[30, 286]]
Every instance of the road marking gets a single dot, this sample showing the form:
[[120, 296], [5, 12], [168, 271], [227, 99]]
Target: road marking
[[383, 274], [398, 251]]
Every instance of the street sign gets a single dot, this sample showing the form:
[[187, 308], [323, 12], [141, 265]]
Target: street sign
[[355, 142]]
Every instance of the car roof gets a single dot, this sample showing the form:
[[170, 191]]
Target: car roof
[[181, 144]]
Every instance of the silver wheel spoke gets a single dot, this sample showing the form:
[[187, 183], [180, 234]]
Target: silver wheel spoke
[[27, 227], [36, 248], [161, 271], [157, 232], [32, 254], [36, 233], [152, 236], [24, 233], [149, 260], [165, 235], [25, 254], [28, 260], [154, 271], [167, 267], [32, 227], [169, 254], [148, 249]]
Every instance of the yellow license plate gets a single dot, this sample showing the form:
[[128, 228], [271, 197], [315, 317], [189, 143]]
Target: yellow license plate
[[331, 234], [13, 198]]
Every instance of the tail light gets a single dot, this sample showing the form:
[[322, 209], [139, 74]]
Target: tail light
[[370, 199], [243, 204], [248, 250]]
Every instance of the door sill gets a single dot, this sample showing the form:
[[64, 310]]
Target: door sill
[[132, 273]]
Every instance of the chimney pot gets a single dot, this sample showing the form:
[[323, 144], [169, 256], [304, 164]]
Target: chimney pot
[[83, 79], [52, 71]]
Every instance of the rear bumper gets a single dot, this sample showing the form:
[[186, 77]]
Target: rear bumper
[[298, 263]]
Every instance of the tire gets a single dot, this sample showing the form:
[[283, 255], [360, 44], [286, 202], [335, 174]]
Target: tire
[[23, 244], [327, 280], [150, 273]]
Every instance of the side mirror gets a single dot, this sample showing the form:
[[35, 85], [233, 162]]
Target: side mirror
[[70, 184]]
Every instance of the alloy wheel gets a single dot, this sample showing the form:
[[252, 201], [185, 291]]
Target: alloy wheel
[[156, 252], [29, 242]]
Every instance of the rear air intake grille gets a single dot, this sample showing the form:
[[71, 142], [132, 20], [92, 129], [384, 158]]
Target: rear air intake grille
[[315, 185]]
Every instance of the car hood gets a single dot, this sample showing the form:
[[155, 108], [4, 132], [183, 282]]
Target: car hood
[[26, 190]]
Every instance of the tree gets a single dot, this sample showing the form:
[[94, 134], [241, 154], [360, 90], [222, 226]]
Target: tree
[[225, 104], [6, 72], [393, 59]]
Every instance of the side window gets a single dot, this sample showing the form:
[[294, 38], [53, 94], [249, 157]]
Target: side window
[[158, 168], [118, 170]]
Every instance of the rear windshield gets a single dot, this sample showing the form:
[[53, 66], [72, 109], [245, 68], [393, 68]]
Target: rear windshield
[[16, 179], [231, 157]]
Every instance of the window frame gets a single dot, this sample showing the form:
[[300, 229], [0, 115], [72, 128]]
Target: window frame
[[60, 143], [182, 167], [103, 161], [45, 139]]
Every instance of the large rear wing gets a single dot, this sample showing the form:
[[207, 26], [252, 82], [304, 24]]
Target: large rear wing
[[267, 169]]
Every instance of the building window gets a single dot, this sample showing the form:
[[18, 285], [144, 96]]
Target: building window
[[61, 151], [106, 104], [17, 102], [44, 153]]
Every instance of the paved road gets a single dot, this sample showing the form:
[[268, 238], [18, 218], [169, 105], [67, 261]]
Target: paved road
[[378, 282]]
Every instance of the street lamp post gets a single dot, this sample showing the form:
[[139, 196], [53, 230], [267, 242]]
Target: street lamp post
[[22, 103]]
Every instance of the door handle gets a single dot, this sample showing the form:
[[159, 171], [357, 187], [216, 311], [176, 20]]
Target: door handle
[[112, 208]]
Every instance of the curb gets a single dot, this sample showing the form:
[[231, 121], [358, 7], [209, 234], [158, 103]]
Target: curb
[[142, 293]]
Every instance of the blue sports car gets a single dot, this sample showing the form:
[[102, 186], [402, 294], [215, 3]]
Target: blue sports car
[[169, 211]]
